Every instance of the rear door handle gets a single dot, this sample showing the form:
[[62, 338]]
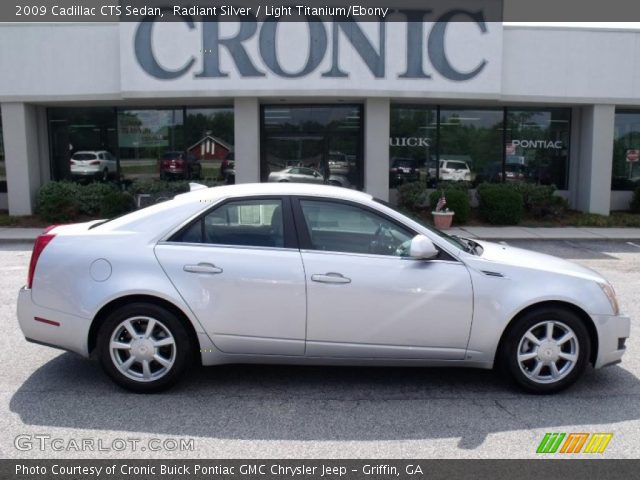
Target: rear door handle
[[331, 277], [202, 268]]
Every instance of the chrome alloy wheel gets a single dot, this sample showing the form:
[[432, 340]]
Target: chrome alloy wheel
[[142, 348], [548, 352]]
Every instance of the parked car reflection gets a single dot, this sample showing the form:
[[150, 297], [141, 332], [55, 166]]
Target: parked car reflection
[[93, 164]]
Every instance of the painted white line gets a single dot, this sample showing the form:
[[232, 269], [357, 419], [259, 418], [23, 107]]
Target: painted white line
[[633, 244]]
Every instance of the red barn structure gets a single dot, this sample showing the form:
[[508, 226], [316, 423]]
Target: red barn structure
[[210, 148]]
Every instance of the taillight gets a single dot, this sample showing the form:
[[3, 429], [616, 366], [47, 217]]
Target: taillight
[[42, 241], [94, 162]]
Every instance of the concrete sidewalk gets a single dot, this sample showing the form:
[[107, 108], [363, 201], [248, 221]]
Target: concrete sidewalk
[[22, 235]]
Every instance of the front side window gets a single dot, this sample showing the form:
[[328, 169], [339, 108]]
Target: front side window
[[338, 227], [249, 223]]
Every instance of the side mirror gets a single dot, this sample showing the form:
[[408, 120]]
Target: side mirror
[[422, 248]]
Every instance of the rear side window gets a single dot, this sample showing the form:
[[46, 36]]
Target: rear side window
[[249, 223], [84, 156]]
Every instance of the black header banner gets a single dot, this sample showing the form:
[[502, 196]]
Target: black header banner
[[318, 469], [308, 10]]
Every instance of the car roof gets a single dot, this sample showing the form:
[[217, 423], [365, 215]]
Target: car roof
[[165, 214], [90, 151], [255, 189]]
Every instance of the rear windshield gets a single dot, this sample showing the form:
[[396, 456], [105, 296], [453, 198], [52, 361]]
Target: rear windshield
[[172, 155], [457, 165], [84, 156]]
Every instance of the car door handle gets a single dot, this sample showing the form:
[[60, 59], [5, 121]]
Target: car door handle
[[202, 268], [331, 277]]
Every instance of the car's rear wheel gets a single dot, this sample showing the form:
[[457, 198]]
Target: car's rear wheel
[[144, 347], [547, 350]]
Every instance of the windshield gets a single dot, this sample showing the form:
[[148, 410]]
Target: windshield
[[455, 241]]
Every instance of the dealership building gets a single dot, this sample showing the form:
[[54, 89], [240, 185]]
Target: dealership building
[[426, 96]]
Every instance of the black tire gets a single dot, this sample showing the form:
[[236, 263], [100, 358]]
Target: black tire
[[105, 175], [181, 353], [564, 322]]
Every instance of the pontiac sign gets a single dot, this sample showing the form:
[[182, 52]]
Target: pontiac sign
[[415, 53]]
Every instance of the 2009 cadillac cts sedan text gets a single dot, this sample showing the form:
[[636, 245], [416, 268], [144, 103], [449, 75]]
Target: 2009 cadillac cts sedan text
[[306, 274]]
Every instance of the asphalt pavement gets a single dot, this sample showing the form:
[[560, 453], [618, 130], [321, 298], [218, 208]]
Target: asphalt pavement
[[55, 404]]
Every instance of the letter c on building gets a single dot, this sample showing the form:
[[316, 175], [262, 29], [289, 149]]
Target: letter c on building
[[436, 47], [144, 51]]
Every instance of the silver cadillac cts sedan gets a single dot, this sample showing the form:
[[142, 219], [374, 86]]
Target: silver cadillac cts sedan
[[309, 274]]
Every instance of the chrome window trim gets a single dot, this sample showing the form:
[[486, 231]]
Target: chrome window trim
[[219, 245]]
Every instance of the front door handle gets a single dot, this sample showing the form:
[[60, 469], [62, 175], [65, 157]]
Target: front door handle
[[202, 268], [331, 277]]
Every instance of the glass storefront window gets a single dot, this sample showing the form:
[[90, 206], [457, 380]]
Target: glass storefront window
[[463, 144], [470, 145], [537, 146], [412, 143], [209, 137], [3, 172], [151, 143], [325, 140], [626, 151], [83, 132]]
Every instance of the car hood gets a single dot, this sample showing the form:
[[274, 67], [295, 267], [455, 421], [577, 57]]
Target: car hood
[[519, 257]]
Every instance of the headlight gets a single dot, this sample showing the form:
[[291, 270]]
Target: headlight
[[611, 295]]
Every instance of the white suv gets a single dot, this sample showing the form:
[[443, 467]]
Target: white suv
[[454, 170], [96, 163]]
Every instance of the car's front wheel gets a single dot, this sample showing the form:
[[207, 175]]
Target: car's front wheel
[[547, 350], [143, 347]]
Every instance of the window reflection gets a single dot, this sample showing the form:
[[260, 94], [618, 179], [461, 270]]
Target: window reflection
[[152, 144], [470, 147], [626, 151], [411, 144], [209, 138], [537, 146], [89, 133], [312, 144], [3, 172]]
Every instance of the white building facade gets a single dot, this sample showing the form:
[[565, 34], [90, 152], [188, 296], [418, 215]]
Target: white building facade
[[426, 97]]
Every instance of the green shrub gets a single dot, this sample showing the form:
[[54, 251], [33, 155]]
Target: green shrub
[[158, 187], [635, 201], [500, 204], [90, 197], [457, 201], [412, 195], [58, 201], [116, 203], [451, 185]]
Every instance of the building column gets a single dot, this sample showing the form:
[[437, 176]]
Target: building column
[[22, 156], [376, 147], [593, 189], [247, 139]]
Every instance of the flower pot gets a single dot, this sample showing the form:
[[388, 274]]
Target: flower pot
[[442, 220]]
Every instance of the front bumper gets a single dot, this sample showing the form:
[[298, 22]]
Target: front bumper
[[612, 331], [52, 328]]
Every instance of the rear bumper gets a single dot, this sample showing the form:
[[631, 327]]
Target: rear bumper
[[85, 172], [613, 330], [52, 328]]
